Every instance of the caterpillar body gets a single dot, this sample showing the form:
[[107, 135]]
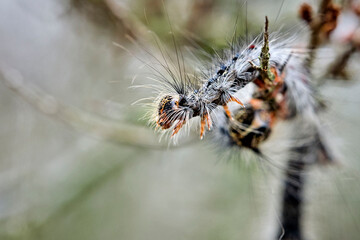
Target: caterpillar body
[[283, 91]]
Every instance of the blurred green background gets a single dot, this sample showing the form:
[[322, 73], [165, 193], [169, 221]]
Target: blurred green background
[[62, 182]]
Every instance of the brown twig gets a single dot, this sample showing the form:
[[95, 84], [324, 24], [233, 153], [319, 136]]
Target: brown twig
[[316, 25], [265, 55], [337, 68], [266, 75], [321, 25]]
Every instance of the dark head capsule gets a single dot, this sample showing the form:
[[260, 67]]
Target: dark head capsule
[[166, 110]]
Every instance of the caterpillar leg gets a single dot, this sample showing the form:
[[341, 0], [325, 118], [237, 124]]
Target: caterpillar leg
[[227, 111], [205, 119], [202, 126], [226, 108], [178, 127], [209, 122], [234, 99]]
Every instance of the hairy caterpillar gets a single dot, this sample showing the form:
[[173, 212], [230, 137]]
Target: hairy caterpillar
[[283, 91]]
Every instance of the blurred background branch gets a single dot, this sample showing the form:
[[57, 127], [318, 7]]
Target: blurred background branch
[[104, 128]]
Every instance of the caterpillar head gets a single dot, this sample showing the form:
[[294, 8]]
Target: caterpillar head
[[167, 107], [171, 110]]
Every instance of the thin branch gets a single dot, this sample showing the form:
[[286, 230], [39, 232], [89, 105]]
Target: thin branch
[[321, 25], [337, 68], [266, 75]]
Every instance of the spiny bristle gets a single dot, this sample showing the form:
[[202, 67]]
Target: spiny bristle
[[218, 83]]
